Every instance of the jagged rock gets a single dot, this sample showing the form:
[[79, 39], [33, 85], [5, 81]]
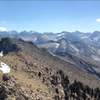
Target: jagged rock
[[20, 98], [5, 77]]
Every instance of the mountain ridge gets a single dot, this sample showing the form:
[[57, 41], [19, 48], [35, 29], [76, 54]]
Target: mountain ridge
[[36, 74]]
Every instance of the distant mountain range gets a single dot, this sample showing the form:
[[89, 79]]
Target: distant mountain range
[[81, 49]]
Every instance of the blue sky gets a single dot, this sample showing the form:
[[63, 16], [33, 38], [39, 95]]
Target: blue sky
[[50, 16]]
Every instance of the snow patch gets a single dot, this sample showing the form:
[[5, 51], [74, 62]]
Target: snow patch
[[49, 45], [76, 49], [1, 54], [60, 34], [84, 37], [95, 58], [4, 68], [57, 45], [35, 39], [96, 38]]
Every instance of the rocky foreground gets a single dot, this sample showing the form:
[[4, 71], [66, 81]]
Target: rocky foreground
[[10, 89]]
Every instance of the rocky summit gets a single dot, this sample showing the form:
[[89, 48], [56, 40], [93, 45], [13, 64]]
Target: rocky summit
[[35, 74]]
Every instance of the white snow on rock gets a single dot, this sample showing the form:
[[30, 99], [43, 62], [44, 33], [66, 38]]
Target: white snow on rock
[[1, 54], [74, 47], [4, 68], [84, 37], [95, 58], [96, 38]]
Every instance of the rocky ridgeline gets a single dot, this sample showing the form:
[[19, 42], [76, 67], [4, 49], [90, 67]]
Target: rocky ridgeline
[[61, 85], [10, 89], [66, 90], [7, 46], [63, 89]]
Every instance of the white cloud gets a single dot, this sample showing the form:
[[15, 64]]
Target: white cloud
[[98, 20], [3, 29]]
